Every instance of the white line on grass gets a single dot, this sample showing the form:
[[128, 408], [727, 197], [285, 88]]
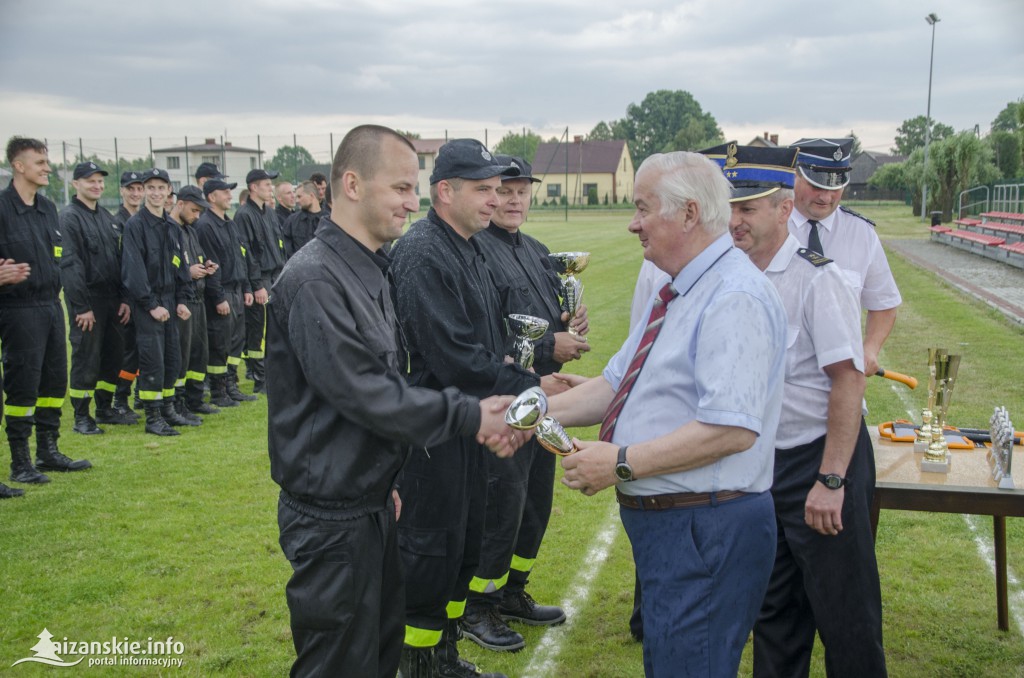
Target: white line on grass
[[546, 652], [1015, 593]]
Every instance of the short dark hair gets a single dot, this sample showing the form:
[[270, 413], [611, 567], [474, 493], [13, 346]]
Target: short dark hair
[[318, 178], [18, 145], [359, 151]]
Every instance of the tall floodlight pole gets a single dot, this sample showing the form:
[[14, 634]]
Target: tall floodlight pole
[[932, 19]]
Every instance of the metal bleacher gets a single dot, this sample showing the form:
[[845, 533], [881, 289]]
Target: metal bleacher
[[997, 235]]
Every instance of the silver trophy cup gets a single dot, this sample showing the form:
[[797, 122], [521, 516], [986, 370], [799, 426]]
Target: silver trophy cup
[[527, 329], [567, 265], [553, 438], [527, 410]]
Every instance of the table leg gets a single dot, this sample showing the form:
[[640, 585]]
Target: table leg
[[999, 544]]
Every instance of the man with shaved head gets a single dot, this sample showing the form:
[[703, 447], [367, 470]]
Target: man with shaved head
[[300, 226], [284, 194]]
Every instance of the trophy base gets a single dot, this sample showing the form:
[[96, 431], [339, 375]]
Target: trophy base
[[921, 446], [936, 466], [1006, 482]]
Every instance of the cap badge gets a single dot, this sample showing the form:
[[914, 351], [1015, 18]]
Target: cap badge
[[730, 160], [134, 175], [92, 166], [485, 155], [838, 155]]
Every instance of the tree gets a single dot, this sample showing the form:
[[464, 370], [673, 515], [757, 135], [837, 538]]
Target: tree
[[955, 164], [1009, 119], [665, 121], [407, 134], [601, 132], [910, 135], [521, 145], [288, 160], [856, 150], [1006, 151]]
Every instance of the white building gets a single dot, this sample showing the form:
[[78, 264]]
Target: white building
[[181, 162]]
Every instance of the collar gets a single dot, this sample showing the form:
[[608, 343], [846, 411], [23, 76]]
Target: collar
[[467, 249], [370, 267], [700, 265], [514, 239], [785, 254], [799, 219], [19, 205], [79, 203]]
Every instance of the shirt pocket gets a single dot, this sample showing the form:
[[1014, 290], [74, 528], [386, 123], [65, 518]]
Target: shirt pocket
[[854, 280]]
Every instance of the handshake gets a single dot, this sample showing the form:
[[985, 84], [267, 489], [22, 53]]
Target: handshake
[[524, 415]]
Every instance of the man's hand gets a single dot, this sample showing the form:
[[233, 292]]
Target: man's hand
[[183, 312], [553, 386], [247, 299], [261, 296], [569, 347], [12, 273], [871, 365], [224, 308], [160, 314], [398, 504], [579, 321], [86, 321], [211, 267], [823, 511], [572, 380], [197, 271], [494, 432], [592, 469], [124, 313]]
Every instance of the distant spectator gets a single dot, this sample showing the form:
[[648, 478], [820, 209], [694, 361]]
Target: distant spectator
[[300, 226], [284, 193]]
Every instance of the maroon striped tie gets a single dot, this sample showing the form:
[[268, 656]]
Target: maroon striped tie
[[654, 323]]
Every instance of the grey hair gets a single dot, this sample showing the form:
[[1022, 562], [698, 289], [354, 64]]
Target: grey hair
[[781, 195], [683, 177]]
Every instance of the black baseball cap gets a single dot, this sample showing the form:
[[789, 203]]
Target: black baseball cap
[[217, 185], [468, 159], [194, 195], [129, 178], [259, 174], [156, 173], [525, 168], [87, 169], [208, 169]]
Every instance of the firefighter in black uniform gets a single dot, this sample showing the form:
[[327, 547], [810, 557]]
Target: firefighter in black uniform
[[450, 312], [207, 171], [32, 330], [260, 229], [132, 197], [300, 226], [339, 430], [90, 272], [195, 354], [519, 490], [155, 276], [284, 196], [11, 273]]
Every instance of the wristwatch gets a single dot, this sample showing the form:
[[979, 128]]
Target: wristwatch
[[623, 471], [831, 480]]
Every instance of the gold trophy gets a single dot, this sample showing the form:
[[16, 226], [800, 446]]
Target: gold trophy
[[527, 329], [936, 458], [568, 264], [924, 434]]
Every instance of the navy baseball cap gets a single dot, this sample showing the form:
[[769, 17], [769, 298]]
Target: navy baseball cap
[[129, 178], [468, 159], [87, 169], [155, 173], [525, 168], [194, 195], [209, 170], [217, 185], [825, 163], [259, 174], [754, 171]]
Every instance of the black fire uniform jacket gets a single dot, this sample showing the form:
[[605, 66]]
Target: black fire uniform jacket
[[90, 265], [266, 245], [299, 229], [192, 253], [29, 234], [152, 266], [221, 243]]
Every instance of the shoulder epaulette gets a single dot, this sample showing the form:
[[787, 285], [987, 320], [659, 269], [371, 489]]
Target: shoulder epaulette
[[859, 216], [813, 257]]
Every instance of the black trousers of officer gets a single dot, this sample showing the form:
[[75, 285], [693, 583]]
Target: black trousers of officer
[[159, 351], [96, 355], [255, 330], [822, 582], [35, 363], [225, 333], [195, 353], [519, 495], [444, 496], [130, 361], [346, 595]]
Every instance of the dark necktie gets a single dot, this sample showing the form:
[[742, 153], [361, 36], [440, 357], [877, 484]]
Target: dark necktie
[[654, 323], [813, 241]]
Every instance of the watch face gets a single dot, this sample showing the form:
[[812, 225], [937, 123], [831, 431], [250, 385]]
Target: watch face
[[833, 482], [624, 472]]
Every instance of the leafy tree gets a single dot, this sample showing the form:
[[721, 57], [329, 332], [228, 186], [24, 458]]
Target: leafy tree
[[892, 177], [518, 144], [955, 164], [1011, 118], [601, 132], [856, 145], [288, 160], [664, 121], [1006, 151], [408, 135], [910, 135]]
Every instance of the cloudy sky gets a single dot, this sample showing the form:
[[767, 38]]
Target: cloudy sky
[[108, 68]]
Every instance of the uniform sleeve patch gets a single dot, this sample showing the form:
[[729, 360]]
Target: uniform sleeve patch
[[813, 257]]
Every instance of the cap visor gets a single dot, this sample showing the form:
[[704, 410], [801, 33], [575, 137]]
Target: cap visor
[[830, 181], [751, 193]]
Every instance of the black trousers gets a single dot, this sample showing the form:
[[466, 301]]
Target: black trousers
[[225, 333], [346, 594], [35, 363], [195, 352], [255, 330], [519, 495], [159, 352], [96, 355], [822, 582], [444, 494]]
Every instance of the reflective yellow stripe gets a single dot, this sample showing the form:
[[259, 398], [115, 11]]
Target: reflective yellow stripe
[[243, 250], [520, 564], [280, 243], [180, 383], [232, 360], [217, 369], [150, 395], [168, 392], [57, 251], [75, 393], [16, 411], [479, 585], [176, 261], [56, 403], [415, 637], [105, 386], [456, 608], [256, 355], [195, 376]]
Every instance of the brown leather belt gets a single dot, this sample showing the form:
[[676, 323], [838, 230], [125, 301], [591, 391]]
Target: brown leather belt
[[661, 502]]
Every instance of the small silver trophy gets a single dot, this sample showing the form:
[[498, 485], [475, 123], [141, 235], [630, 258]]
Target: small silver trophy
[[527, 410], [553, 438], [527, 329], [567, 265], [1001, 454]]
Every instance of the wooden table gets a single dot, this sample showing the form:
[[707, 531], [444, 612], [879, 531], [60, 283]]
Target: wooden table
[[967, 488]]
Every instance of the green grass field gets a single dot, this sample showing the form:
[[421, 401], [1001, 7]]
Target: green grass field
[[179, 537]]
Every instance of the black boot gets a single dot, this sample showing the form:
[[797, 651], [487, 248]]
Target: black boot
[[234, 393], [202, 408], [84, 424], [218, 392], [170, 414], [22, 470], [9, 492], [50, 458], [484, 626], [449, 663], [417, 662], [121, 406], [106, 413], [184, 412], [155, 423], [520, 606]]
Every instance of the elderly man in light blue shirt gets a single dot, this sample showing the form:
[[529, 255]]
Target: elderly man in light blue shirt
[[689, 406]]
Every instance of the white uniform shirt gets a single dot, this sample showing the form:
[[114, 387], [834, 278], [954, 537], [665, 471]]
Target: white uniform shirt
[[720, 359], [823, 328], [852, 243]]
